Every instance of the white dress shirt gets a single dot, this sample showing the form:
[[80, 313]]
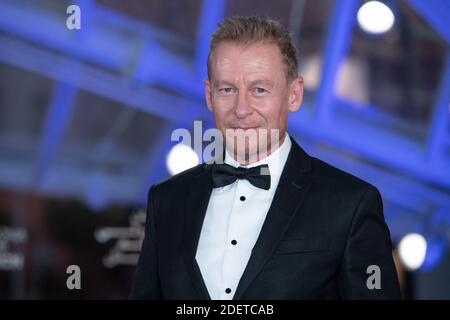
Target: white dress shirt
[[232, 224]]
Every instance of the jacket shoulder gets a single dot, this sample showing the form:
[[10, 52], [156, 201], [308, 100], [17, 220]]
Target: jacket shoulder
[[178, 181], [337, 179]]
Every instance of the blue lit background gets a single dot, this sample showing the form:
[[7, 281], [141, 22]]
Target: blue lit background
[[86, 115]]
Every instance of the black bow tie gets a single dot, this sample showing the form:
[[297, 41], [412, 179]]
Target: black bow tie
[[224, 174]]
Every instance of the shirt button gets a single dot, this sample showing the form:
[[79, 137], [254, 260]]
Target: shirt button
[[228, 290], [233, 242], [242, 198]]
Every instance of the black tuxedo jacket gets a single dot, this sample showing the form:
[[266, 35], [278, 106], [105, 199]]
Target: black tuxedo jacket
[[323, 230]]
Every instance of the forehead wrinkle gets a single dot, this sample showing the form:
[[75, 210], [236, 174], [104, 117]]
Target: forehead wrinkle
[[245, 56], [256, 63], [242, 64], [256, 70]]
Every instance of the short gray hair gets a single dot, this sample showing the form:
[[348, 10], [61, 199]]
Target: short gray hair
[[248, 30]]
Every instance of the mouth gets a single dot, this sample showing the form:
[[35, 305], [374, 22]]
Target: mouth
[[245, 129]]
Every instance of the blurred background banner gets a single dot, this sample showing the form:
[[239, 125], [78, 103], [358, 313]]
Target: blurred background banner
[[91, 91]]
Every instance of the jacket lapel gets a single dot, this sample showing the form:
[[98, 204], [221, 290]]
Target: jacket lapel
[[288, 198], [197, 203]]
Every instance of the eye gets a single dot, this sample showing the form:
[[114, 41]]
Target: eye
[[260, 91], [226, 90]]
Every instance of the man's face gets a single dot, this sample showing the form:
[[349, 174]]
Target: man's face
[[249, 90]]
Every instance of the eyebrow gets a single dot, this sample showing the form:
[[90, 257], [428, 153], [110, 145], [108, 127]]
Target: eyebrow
[[262, 81], [251, 83], [222, 82]]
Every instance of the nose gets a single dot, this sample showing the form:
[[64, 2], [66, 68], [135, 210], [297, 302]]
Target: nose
[[242, 108]]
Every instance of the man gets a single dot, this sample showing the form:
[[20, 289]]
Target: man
[[280, 225]]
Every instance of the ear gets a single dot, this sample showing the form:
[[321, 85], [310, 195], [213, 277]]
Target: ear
[[208, 96], [295, 94]]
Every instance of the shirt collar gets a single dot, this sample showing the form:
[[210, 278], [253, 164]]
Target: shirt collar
[[276, 160]]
